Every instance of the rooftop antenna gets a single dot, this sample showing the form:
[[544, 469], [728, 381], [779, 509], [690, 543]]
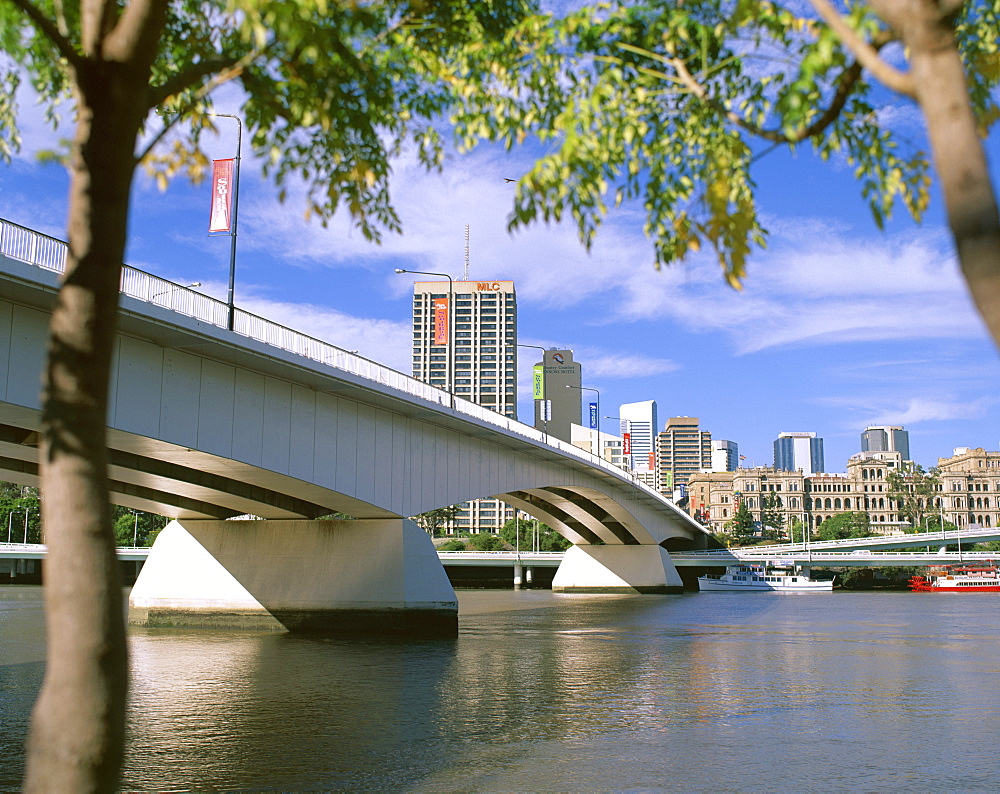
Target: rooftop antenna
[[466, 277]]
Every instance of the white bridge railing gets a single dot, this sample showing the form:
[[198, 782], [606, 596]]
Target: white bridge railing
[[34, 248]]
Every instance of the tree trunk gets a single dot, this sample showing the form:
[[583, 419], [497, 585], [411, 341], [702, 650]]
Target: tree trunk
[[959, 158], [76, 741]]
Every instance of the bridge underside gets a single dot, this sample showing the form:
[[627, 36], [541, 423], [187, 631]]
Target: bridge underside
[[168, 480]]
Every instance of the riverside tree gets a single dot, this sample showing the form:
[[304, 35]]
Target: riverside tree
[[432, 521], [671, 104], [331, 91], [772, 516], [915, 492]]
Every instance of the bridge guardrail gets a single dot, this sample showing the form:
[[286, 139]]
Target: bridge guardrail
[[34, 248]]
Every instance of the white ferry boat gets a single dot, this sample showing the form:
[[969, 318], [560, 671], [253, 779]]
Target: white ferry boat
[[761, 579]]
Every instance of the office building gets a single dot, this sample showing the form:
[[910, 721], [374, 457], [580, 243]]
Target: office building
[[640, 422], [559, 371], [793, 451], [725, 455], [886, 439], [970, 486], [471, 346], [604, 445], [465, 340], [682, 449]]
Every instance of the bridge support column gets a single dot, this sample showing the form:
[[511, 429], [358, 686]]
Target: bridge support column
[[375, 576], [617, 569]]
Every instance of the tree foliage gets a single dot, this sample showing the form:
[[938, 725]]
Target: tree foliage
[[853, 524], [914, 492], [433, 520], [671, 105], [741, 526], [484, 541], [134, 527], [772, 516], [20, 514], [528, 534]]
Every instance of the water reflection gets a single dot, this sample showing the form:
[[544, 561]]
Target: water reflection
[[547, 691]]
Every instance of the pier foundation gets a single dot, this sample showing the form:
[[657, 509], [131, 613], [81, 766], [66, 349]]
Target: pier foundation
[[371, 577], [617, 569]]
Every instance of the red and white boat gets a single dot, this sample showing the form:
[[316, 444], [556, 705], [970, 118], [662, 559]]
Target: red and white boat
[[959, 579]]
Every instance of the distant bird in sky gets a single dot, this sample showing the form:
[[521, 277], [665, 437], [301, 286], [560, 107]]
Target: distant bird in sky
[[505, 179]]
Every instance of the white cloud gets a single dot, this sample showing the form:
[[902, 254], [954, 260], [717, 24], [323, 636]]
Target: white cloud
[[910, 410], [383, 341]]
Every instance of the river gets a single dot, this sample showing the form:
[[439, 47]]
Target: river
[[553, 692]]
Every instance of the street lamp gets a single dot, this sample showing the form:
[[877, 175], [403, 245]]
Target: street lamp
[[236, 204], [451, 325], [597, 420], [628, 429], [174, 288]]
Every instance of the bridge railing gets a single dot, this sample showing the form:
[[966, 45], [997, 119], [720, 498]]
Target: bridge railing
[[25, 245]]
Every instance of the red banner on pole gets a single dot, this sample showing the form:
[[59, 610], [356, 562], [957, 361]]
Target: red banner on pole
[[222, 196], [626, 443], [440, 321]]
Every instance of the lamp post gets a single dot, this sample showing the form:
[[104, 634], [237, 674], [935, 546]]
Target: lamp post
[[230, 304], [541, 409], [451, 326], [628, 429], [588, 388]]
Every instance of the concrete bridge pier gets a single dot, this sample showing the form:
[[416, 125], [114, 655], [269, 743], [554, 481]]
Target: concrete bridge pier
[[369, 576], [617, 569]]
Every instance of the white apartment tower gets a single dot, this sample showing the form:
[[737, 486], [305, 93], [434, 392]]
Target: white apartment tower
[[465, 340], [639, 420]]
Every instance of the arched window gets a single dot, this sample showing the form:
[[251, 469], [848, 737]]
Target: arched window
[[829, 504], [881, 504], [836, 504], [847, 504]]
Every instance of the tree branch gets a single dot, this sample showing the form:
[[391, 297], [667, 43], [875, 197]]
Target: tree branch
[[134, 36], [50, 31], [192, 75], [228, 70], [867, 55]]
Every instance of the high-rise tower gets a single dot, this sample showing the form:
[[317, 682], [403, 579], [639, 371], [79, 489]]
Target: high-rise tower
[[639, 421], [560, 371], [465, 338], [465, 341], [886, 438], [793, 451]]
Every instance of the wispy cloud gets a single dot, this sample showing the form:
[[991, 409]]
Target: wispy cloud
[[910, 411]]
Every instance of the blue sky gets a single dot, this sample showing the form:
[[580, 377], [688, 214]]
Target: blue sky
[[840, 326]]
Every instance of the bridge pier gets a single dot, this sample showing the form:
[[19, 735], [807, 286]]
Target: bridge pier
[[372, 576], [617, 569]]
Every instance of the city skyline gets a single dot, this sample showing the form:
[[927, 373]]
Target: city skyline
[[839, 327]]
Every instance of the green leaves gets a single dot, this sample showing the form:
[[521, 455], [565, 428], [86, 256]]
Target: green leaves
[[666, 107]]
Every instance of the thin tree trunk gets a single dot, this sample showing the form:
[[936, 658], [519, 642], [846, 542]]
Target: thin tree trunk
[[959, 158], [76, 741]]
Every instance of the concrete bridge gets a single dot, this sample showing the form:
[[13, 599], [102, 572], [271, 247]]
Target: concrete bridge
[[206, 424]]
